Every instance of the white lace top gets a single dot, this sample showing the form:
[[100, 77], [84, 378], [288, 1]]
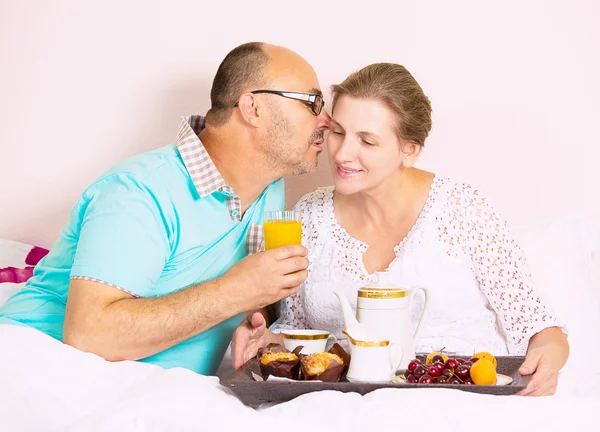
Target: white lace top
[[481, 296]]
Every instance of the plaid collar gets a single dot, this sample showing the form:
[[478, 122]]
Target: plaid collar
[[204, 173]]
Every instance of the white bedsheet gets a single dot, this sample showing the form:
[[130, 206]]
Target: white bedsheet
[[46, 385]]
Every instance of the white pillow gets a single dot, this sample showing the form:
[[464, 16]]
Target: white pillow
[[562, 256], [564, 259], [12, 254], [7, 289]]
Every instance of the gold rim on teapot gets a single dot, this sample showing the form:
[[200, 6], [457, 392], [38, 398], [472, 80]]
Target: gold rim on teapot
[[379, 293]]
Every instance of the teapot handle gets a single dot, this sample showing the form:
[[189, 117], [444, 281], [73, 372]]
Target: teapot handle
[[411, 294]]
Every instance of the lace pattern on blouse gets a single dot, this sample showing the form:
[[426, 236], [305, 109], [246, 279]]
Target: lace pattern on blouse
[[467, 227]]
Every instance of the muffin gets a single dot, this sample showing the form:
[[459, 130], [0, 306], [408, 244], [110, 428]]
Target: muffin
[[277, 361], [326, 366]]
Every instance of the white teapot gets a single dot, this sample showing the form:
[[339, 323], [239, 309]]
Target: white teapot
[[383, 314]]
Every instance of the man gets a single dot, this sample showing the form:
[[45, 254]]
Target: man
[[152, 264]]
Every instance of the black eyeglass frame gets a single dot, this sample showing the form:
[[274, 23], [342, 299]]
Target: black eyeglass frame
[[310, 98]]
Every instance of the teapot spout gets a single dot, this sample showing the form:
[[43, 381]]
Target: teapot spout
[[350, 320]]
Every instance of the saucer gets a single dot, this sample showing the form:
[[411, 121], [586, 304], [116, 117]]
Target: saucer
[[352, 380], [501, 380]]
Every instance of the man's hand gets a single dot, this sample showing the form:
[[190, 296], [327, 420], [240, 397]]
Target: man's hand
[[547, 354], [266, 277], [249, 337]]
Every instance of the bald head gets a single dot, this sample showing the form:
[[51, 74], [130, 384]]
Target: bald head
[[286, 70], [253, 66]]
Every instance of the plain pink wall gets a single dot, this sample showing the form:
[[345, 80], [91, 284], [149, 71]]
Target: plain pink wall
[[513, 85]]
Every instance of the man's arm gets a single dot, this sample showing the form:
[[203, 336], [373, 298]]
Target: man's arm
[[117, 326]]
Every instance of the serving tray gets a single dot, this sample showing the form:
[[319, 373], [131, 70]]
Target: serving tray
[[254, 393]]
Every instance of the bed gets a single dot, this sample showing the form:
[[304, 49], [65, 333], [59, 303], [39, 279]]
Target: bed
[[45, 385]]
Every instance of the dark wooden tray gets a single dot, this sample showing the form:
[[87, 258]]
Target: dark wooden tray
[[254, 393]]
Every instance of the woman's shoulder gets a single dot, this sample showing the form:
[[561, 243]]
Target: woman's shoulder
[[459, 193], [465, 201]]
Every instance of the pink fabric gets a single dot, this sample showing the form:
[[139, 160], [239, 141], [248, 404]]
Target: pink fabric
[[21, 275], [35, 255]]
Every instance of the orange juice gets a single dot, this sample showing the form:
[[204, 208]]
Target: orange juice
[[282, 233]]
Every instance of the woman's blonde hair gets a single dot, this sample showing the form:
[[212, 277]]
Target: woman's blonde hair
[[393, 85]]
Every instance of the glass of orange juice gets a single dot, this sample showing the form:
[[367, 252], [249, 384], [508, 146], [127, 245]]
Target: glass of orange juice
[[282, 228]]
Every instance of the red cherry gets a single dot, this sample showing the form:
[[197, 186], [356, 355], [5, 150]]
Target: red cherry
[[460, 361], [442, 380], [469, 381], [447, 373], [411, 378], [462, 372], [434, 372], [437, 358], [454, 380], [426, 379], [413, 365], [451, 364], [439, 365], [474, 359], [468, 364], [419, 371]]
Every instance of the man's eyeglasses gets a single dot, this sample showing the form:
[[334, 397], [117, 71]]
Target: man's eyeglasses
[[315, 101]]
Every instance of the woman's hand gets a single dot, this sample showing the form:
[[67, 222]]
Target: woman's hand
[[546, 355], [251, 335]]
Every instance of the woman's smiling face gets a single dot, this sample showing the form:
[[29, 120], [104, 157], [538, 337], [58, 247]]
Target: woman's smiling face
[[363, 147]]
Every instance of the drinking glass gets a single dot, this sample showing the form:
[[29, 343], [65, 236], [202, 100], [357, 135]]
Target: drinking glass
[[282, 228]]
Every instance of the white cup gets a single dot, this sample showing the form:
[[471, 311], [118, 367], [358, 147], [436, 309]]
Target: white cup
[[313, 341]]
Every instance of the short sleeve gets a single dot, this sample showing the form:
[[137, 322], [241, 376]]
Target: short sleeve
[[123, 239]]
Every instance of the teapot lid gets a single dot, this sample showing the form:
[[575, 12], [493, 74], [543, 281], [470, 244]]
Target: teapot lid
[[382, 288], [383, 279]]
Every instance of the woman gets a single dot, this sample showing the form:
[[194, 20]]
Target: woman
[[384, 214]]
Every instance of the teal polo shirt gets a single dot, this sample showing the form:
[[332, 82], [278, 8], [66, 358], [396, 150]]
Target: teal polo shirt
[[150, 228]]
